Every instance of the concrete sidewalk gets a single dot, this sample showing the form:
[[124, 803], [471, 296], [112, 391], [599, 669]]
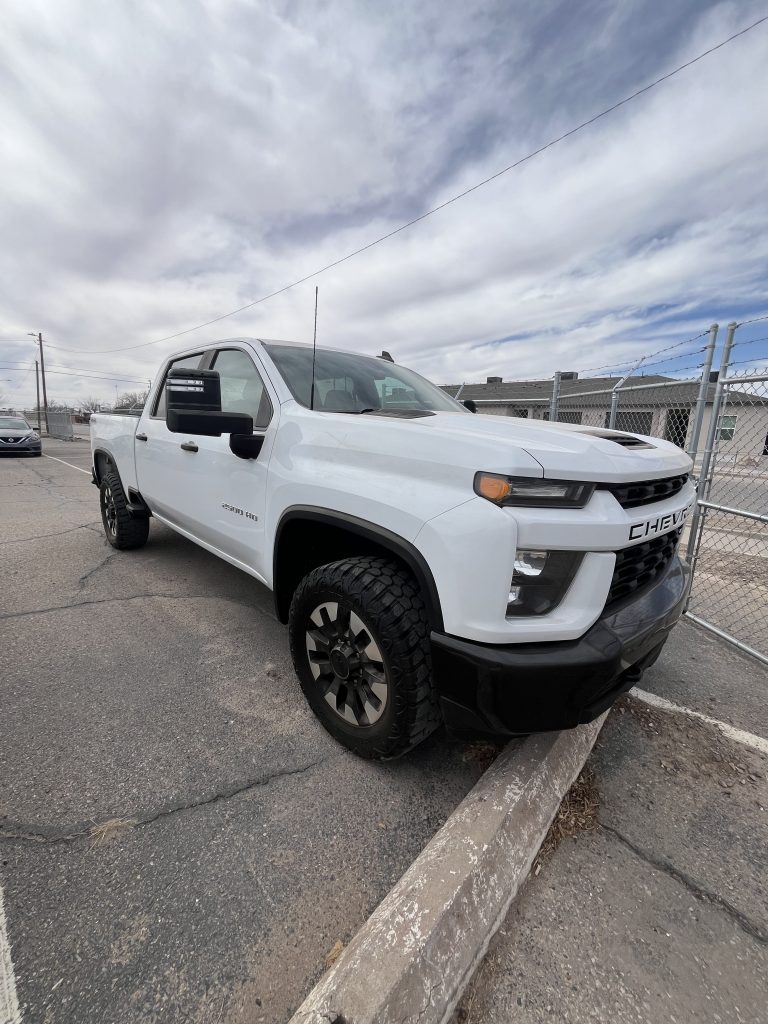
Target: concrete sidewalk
[[658, 911]]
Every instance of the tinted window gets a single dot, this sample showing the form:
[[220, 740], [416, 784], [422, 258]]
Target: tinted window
[[13, 423], [186, 363], [242, 389], [346, 382]]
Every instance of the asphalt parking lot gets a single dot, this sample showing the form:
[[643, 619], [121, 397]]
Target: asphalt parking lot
[[180, 840]]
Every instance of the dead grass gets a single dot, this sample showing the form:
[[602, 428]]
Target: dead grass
[[107, 830], [481, 755], [577, 813], [333, 955]]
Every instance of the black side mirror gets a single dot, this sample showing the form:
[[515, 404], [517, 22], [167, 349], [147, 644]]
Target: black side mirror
[[246, 446], [193, 405], [469, 403]]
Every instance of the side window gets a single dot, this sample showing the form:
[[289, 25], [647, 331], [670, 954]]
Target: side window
[[727, 428], [242, 389], [186, 363]]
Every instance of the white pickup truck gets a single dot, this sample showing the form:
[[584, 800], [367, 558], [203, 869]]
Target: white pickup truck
[[501, 575]]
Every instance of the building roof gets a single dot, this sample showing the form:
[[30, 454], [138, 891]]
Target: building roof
[[595, 392]]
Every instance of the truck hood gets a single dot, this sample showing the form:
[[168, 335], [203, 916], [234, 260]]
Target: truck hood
[[564, 451]]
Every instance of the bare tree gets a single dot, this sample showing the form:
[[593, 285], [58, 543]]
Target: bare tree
[[129, 399], [90, 405]]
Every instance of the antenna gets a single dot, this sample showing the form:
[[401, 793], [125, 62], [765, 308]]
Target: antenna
[[314, 354]]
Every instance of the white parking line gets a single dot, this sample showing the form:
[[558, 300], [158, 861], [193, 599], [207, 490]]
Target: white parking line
[[9, 1003], [747, 739], [79, 470]]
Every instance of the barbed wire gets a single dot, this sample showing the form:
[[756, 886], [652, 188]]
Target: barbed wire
[[750, 341], [754, 320], [658, 352], [740, 362]]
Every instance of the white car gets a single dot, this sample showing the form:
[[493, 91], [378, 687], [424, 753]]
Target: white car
[[505, 576]]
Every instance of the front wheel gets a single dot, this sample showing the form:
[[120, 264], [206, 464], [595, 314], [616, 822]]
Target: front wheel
[[123, 530], [359, 639]]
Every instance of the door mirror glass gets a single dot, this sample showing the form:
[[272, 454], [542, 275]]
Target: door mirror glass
[[469, 403], [193, 404], [192, 389]]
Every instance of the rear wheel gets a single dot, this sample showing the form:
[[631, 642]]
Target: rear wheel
[[123, 530], [360, 644]]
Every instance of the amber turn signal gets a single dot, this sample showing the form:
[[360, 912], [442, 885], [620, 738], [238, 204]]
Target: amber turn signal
[[494, 488]]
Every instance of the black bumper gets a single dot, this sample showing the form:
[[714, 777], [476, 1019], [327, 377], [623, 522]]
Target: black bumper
[[517, 689], [21, 449]]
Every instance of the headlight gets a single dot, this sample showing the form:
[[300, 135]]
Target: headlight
[[524, 490], [540, 580]]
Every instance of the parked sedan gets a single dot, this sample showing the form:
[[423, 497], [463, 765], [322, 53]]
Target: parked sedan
[[17, 437]]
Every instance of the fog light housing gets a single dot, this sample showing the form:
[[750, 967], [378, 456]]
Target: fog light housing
[[540, 580]]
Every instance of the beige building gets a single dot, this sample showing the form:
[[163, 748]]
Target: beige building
[[655, 405]]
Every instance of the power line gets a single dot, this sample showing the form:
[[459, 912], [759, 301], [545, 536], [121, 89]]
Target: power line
[[440, 206], [65, 373]]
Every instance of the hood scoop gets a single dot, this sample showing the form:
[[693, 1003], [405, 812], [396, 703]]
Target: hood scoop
[[625, 440]]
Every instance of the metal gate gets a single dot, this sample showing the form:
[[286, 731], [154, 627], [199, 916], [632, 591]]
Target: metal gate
[[721, 420], [728, 543], [60, 425]]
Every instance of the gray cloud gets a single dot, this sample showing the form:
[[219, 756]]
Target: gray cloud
[[162, 163]]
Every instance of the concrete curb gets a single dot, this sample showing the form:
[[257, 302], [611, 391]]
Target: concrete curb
[[413, 957]]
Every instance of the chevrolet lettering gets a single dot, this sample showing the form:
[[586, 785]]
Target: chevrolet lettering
[[662, 524], [500, 576]]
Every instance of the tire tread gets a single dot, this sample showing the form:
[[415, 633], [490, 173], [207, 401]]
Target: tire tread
[[393, 604]]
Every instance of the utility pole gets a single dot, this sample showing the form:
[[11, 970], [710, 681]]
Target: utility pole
[[37, 383], [42, 370]]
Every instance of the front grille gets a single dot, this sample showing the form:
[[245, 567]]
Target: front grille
[[637, 567], [12, 440], [645, 492]]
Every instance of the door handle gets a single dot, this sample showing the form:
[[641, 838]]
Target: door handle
[[189, 446], [141, 437]]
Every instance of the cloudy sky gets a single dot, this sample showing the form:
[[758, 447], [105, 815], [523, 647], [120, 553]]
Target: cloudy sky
[[162, 163]]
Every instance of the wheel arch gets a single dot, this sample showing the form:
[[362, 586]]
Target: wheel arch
[[308, 536], [101, 461]]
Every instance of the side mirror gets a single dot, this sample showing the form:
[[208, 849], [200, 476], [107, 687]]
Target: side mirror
[[469, 403], [246, 446], [193, 405], [208, 424]]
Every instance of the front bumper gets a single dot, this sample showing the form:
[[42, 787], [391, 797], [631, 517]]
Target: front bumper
[[515, 689], [24, 447]]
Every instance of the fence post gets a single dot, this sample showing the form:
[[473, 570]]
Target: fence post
[[554, 402], [701, 401], [615, 393], [614, 407], [711, 444]]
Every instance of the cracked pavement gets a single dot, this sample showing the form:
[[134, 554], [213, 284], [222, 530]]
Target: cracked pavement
[[661, 911], [180, 840]]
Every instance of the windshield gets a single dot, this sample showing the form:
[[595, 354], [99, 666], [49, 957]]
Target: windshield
[[13, 423], [350, 383]]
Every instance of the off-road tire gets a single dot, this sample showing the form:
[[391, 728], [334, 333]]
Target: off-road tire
[[123, 530], [388, 601]]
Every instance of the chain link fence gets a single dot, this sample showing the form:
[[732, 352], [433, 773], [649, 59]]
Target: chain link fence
[[728, 545], [60, 425], [721, 419]]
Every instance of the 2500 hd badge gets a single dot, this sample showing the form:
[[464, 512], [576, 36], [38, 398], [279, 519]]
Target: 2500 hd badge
[[655, 527]]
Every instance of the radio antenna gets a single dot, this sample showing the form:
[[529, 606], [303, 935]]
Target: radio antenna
[[314, 354]]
